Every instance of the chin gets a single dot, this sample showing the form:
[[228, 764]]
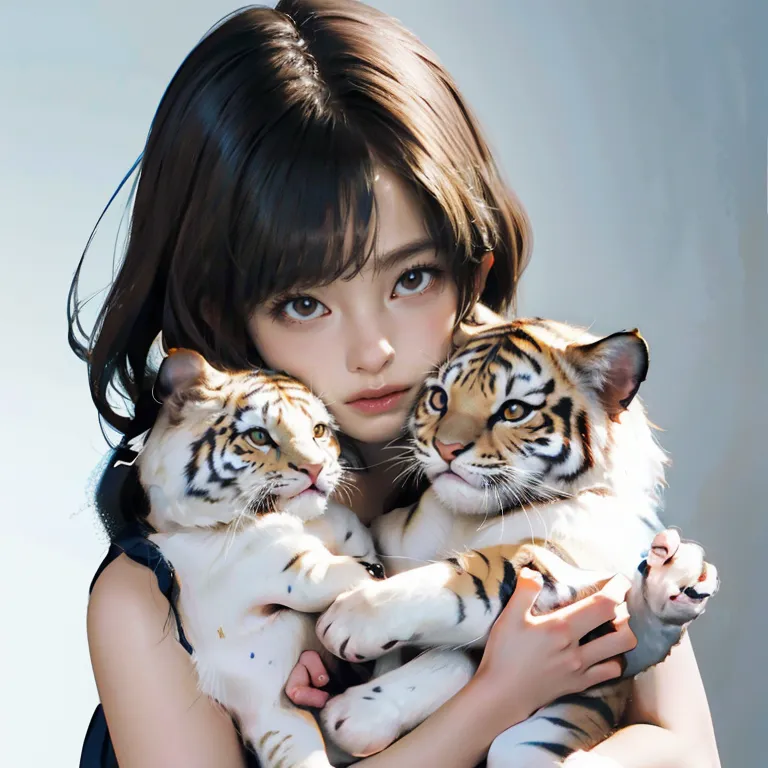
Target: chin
[[306, 506], [463, 498], [373, 429]]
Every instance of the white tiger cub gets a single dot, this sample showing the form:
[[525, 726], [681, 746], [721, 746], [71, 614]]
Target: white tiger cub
[[539, 455], [238, 470]]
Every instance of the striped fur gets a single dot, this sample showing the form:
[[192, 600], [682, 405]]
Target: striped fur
[[539, 455], [238, 469]]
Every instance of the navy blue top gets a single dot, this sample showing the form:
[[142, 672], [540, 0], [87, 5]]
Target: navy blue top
[[97, 748]]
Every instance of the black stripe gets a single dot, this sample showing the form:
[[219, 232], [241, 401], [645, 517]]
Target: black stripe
[[481, 593], [293, 560], [596, 705], [550, 746], [462, 611], [564, 724], [480, 554], [587, 461], [508, 583]]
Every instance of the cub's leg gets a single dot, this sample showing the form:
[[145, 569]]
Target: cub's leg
[[367, 718], [284, 735], [305, 576], [670, 589], [444, 602], [342, 533], [559, 733], [453, 602]]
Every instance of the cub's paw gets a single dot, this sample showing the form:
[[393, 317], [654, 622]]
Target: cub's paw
[[678, 582], [363, 623], [362, 720]]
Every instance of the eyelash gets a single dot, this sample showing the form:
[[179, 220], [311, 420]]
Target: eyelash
[[432, 269], [277, 308]]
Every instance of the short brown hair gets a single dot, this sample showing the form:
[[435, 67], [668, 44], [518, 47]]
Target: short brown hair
[[260, 154]]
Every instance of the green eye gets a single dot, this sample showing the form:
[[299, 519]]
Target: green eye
[[258, 438]]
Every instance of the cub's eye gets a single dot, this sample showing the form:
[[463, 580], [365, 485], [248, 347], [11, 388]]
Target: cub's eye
[[515, 411], [258, 437], [321, 430], [438, 399]]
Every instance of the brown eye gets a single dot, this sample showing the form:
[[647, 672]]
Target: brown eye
[[438, 400], [258, 438], [320, 430], [515, 411], [303, 308]]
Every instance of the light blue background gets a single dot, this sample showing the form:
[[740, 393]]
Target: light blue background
[[635, 134]]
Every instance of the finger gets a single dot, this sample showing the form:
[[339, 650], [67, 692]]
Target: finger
[[299, 677], [318, 674], [608, 646], [590, 612], [527, 589], [601, 673], [309, 697]]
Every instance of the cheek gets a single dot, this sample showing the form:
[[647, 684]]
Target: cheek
[[302, 355], [427, 337]]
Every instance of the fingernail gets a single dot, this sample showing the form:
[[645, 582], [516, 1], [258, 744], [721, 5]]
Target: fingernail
[[321, 678]]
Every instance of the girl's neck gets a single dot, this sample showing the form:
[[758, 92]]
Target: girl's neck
[[374, 485]]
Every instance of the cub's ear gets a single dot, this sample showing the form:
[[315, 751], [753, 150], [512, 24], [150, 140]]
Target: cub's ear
[[180, 371], [479, 319], [614, 367]]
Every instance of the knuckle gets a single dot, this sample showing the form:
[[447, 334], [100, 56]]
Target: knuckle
[[574, 662], [559, 631]]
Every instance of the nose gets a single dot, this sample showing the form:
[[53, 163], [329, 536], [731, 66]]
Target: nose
[[449, 451], [313, 470], [369, 350]]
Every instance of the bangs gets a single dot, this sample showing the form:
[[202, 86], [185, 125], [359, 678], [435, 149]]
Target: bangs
[[307, 217], [305, 214]]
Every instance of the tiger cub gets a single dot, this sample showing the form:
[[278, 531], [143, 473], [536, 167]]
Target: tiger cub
[[238, 469], [539, 455]]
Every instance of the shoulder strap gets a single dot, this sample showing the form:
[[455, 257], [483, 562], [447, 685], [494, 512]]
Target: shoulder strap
[[134, 543]]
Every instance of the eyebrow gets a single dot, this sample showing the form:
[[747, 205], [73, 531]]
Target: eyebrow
[[394, 257]]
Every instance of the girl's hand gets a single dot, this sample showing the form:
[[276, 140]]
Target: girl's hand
[[530, 661], [304, 682]]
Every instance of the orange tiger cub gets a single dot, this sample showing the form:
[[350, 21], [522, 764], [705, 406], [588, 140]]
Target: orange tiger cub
[[539, 454]]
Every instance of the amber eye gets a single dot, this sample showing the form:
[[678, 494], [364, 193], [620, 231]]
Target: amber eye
[[258, 437], [437, 399], [515, 411], [321, 430]]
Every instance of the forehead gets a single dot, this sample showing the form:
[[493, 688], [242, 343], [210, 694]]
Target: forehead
[[272, 400], [399, 213], [498, 366]]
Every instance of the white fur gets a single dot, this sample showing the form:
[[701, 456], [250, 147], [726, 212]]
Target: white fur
[[235, 560]]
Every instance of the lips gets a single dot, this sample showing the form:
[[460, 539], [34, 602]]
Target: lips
[[376, 394], [375, 401]]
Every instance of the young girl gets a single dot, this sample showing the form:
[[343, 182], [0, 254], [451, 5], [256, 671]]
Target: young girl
[[314, 196]]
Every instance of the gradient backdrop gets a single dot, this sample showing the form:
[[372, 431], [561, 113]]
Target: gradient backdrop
[[635, 134]]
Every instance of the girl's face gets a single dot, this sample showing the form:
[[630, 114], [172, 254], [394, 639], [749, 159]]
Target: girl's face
[[365, 345]]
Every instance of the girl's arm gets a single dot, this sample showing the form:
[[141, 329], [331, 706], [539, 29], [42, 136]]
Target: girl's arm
[[669, 723], [157, 717], [146, 681]]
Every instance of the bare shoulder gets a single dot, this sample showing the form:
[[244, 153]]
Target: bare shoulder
[[146, 680]]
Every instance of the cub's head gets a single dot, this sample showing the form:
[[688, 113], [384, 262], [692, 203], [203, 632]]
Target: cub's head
[[227, 445], [532, 410]]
